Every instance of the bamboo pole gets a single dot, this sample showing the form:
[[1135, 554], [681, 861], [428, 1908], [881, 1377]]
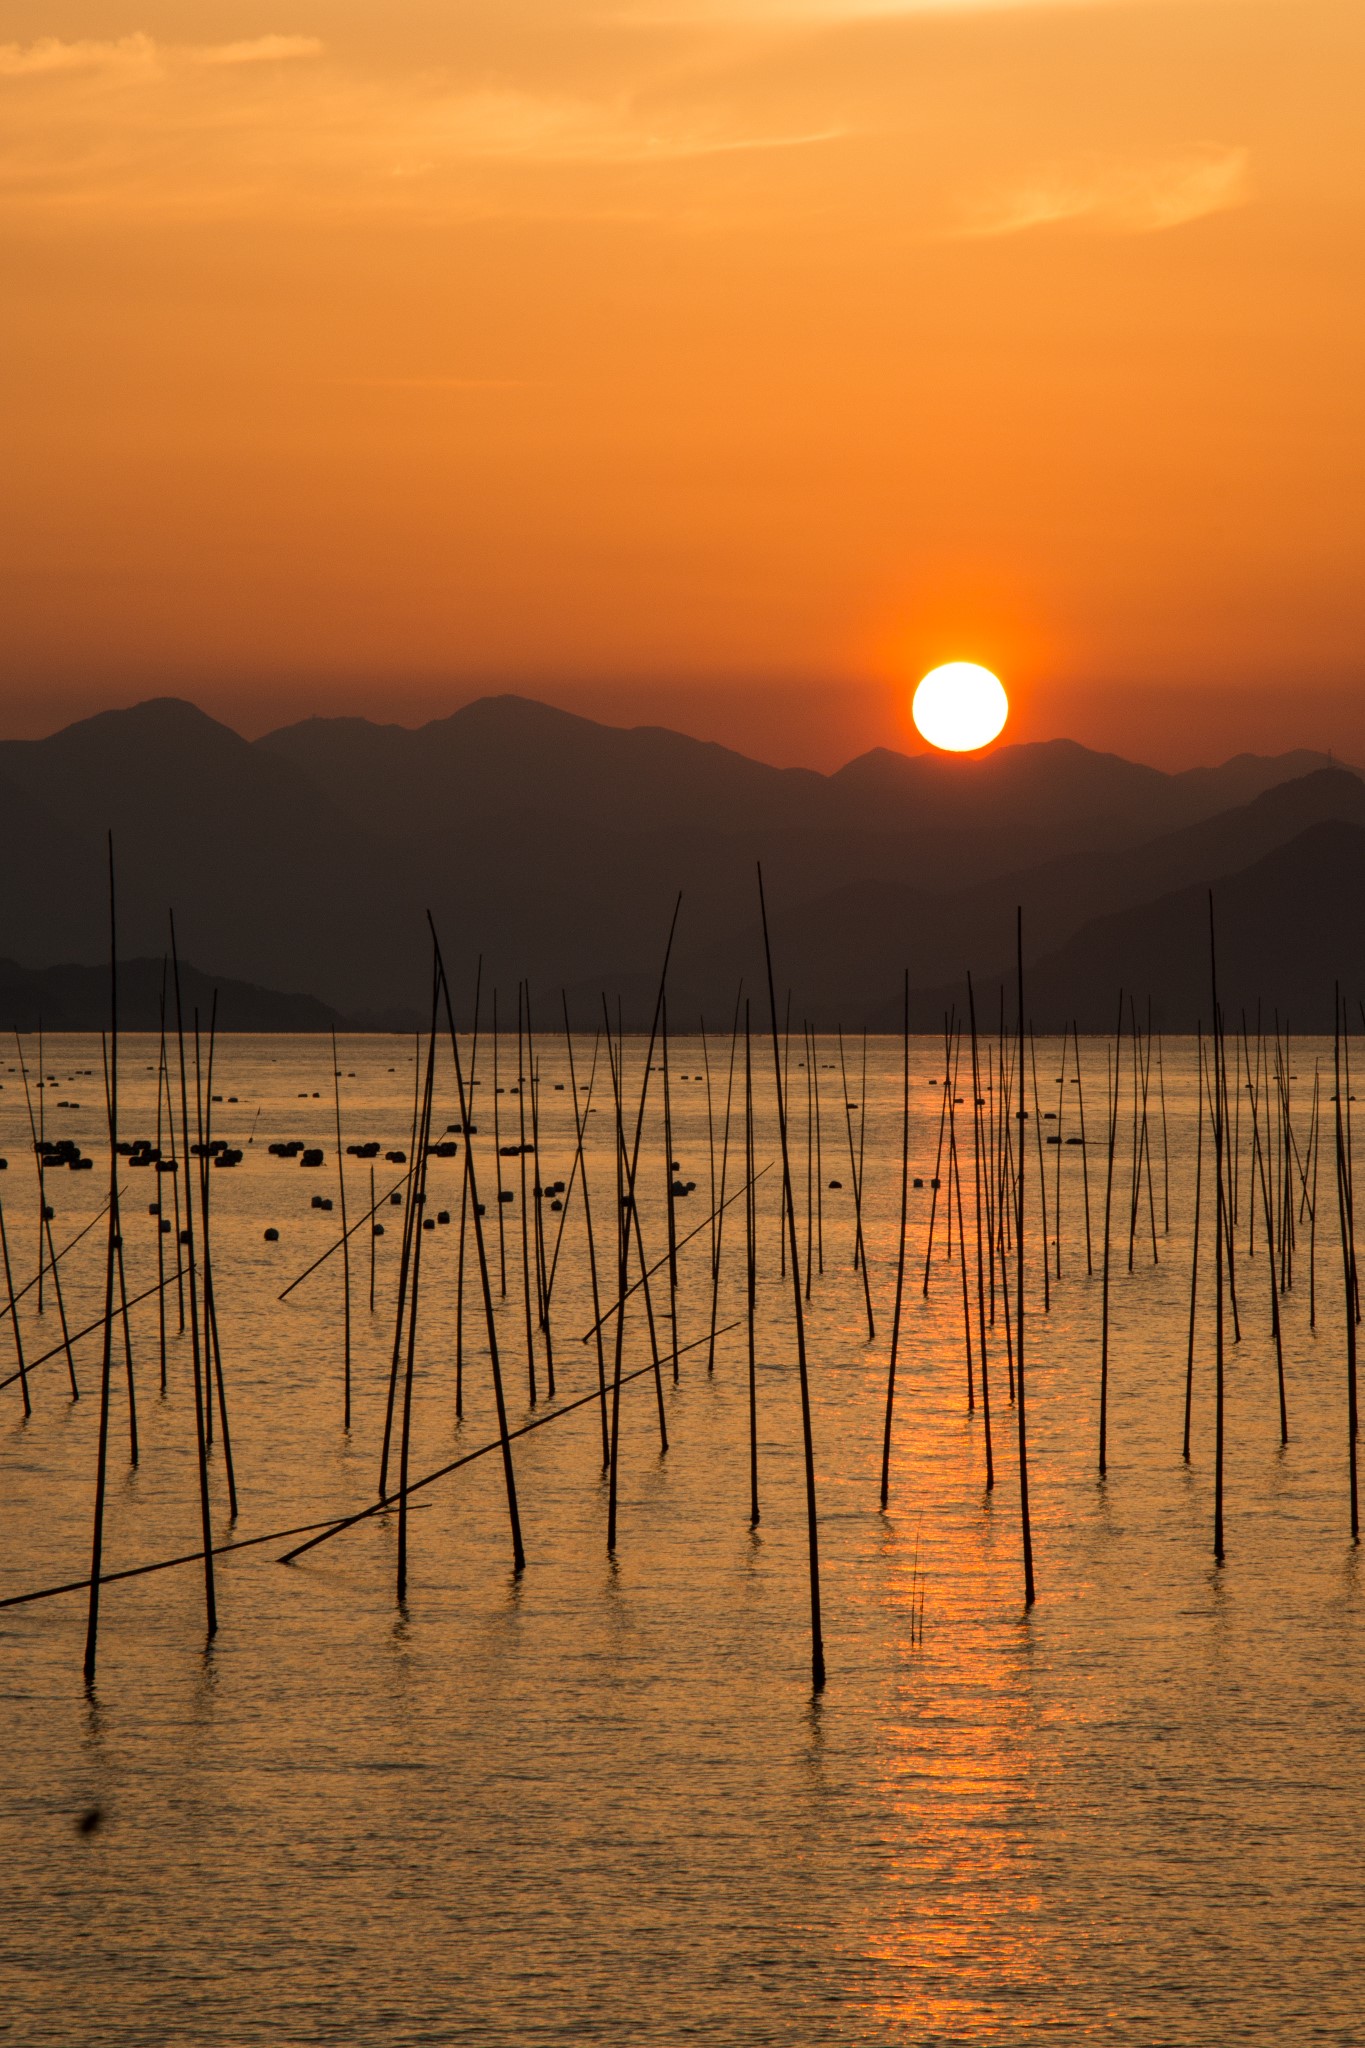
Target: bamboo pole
[[900, 1248], [812, 1530]]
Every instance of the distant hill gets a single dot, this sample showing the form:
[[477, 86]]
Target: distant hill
[[1288, 927], [553, 847], [70, 998]]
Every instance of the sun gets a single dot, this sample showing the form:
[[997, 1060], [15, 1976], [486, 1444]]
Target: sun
[[960, 707]]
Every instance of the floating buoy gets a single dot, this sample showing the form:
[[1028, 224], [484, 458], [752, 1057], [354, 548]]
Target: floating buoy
[[272, 1236], [836, 1183]]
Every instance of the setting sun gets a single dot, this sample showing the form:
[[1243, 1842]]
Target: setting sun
[[960, 707]]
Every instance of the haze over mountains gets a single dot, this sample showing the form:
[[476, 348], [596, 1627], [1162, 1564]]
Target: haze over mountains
[[555, 847]]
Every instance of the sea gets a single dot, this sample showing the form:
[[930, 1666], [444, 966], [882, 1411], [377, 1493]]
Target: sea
[[599, 1799]]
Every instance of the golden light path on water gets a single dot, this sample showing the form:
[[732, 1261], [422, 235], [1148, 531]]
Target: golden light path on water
[[599, 1803]]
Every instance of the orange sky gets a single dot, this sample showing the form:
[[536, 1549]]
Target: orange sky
[[718, 362]]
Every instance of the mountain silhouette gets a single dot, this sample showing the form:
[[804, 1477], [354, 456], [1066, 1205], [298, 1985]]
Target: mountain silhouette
[[553, 848]]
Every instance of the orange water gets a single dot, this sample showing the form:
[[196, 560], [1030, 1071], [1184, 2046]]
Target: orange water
[[599, 1803]]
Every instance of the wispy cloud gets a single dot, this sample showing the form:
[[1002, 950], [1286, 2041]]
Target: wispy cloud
[[139, 125], [1129, 198], [780, 13], [140, 55], [50, 56], [260, 50]]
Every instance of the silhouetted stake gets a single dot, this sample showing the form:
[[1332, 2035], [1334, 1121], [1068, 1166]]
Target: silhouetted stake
[[1108, 1211], [944, 1102], [580, 1120], [122, 1286], [1146, 1130], [1019, 1381], [14, 1315], [485, 1283], [819, 1160], [1007, 1198], [989, 1171], [980, 1172], [1194, 1251], [1136, 1142], [1258, 1168], [411, 1221], [781, 1212], [1165, 1139], [1350, 1160], [467, 1138], [1313, 1214], [626, 1170], [211, 1344], [955, 1191], [538, 1205], [1042, 1172], [48, 1264], [1222, 1239], [750, 1266], [1060, 1142], [900, 1247], [374, 1242], [174, 1178], [345, 1241], [1347, 1265], [720, 1207], [1220, 1076], [622, 1267], [39, 1149], [862, 1148], [161, 1083], [187, 1262], [419, 1204], [525, 1236], [580, 1164], [102, 1457], [810, 1161], [710, 1143], [855, 1175], [817, 1647], [1085, 1157], [670, 1211], [497, 1158]]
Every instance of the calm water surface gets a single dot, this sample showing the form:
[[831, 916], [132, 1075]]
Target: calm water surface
[[599, 1803]]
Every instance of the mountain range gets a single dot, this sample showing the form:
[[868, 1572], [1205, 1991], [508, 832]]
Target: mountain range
[[553, 848]]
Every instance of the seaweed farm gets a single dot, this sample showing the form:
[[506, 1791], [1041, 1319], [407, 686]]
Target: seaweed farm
[[511, 1706]]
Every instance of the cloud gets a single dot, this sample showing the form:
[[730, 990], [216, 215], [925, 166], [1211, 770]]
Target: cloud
[[543, 129], [138, 126], [50, 56], [1126, 199], [139, 54], [824, 13], [261, 50]]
